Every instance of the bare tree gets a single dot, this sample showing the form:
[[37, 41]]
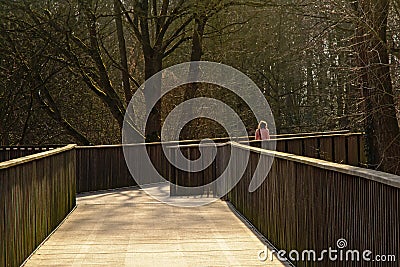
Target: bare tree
[[373, 66]]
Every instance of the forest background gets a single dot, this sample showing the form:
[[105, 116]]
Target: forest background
[[69, 68]]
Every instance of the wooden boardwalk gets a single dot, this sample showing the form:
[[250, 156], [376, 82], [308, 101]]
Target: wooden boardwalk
[[128, 228]]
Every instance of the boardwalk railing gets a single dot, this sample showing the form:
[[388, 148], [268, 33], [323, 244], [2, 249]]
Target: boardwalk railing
[[104, 167], [36, 194], [101, 168], [347, 148], [273, 136], [307, 204], [13, 152]]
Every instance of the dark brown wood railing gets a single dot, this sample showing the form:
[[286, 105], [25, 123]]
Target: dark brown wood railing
[[347, 148], [308, 204], [36, 193], [13, 152], [273, 136], [103, 167]]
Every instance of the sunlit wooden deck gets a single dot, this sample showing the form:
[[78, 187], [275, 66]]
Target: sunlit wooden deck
[[128, 228]]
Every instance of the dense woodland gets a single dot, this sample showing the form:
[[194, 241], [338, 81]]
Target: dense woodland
[[69, 68]]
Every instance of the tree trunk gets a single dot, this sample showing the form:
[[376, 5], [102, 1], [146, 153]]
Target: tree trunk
[[382, 129], [111, 97], [122, 52], [26, 123], [188, 132], [153, 65]]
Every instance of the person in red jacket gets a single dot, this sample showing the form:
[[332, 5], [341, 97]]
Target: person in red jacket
[[262, 132]]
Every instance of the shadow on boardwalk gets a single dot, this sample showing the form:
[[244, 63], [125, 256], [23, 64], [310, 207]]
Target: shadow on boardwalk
[[128, 228]]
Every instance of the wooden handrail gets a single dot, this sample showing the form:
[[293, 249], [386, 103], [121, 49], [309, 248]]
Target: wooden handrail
[[228, 139], [306, 137], [21, 160], [377, 176]]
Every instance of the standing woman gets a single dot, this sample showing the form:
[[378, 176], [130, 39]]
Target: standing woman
[[262, 132]]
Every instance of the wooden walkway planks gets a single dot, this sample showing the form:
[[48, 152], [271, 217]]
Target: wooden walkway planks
[[128, 228]]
